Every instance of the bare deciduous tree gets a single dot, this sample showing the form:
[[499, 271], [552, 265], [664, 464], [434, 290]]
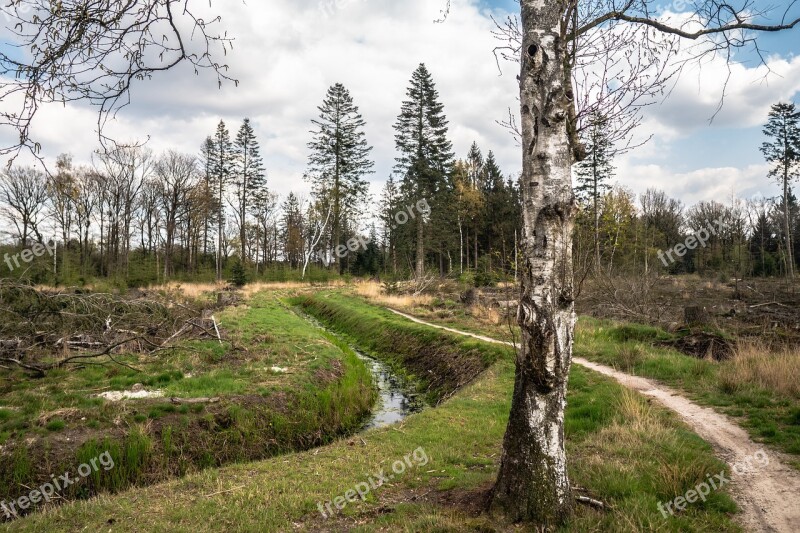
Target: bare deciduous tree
[[23, 191], [177, 174]]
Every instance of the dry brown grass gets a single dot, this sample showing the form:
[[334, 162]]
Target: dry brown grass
[[374, 293], [485, 314], [755, 364], [194, 290], [637, 422]]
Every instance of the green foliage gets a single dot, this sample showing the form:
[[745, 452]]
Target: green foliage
[[55, 425], [484, 277], [238, 275]]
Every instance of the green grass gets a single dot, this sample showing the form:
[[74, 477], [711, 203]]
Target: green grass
[[622, 450], [769, 417], [633, 348], [326, 392], [440, 362]]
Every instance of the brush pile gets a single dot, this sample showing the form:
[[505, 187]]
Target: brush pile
[[42, 329]]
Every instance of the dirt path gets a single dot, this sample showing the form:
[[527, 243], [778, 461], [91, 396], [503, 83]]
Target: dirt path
[[768, 495]]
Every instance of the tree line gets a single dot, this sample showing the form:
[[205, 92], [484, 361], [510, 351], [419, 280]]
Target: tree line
[[140, 217], [618, 232]]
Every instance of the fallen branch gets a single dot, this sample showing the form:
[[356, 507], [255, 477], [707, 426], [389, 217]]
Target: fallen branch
[[219, 337], [597, 504], [768, 303], [180, 401]]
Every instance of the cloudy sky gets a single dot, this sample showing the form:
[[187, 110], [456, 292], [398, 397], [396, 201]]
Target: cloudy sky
[[288, 52]]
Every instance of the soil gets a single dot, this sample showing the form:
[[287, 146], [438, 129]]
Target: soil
[[768, 496]]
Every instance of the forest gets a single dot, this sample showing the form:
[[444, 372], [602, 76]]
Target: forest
[[135, 217]]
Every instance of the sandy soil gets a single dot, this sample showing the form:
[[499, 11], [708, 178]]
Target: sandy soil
[[768, 494]]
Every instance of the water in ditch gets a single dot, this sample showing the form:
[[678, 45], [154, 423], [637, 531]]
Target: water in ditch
[[397, 398]]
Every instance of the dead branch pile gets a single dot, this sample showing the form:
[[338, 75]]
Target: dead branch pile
[[45, 329], [632, 298]]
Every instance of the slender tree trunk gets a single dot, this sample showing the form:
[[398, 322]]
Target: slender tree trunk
[[461, 246], [220, 222], [533, 484], [786, 226], [420, 270], [596, 225]]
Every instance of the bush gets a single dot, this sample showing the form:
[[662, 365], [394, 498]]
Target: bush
[[238, 275]]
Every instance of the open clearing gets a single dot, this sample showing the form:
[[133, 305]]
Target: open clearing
[[625, 451]]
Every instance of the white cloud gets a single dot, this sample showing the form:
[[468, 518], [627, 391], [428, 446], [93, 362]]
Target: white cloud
[[703, 184], [288, 52]]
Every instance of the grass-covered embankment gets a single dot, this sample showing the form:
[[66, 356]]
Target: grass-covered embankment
[[622, 450], [275, 385], [439, 363]]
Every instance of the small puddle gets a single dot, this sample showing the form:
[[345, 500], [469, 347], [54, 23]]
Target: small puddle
[[397, 398]]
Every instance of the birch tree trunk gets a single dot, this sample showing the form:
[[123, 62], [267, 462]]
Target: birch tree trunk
[[532, 484]]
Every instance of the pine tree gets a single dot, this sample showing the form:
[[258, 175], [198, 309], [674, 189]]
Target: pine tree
[[475, 166], [425, 154], [500, 214], [207, 155], [389, 205], [249, 178], [594, 172], [339, 160], [292, 231], [221, 158], [783, 153]]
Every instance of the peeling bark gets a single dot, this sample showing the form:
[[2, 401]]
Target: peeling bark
[[532, 484]]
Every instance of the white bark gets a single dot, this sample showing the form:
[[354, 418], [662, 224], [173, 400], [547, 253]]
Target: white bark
[[533, 483]]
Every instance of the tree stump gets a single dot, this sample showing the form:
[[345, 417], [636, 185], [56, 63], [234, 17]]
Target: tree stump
[[696, 315]]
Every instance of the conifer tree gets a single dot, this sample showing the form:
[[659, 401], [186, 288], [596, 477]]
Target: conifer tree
[[249, 178], [783, 153], [425, 157], [292, 231], [389, 205], [221, 167], [500, 213], [593, 173], [339, 161]]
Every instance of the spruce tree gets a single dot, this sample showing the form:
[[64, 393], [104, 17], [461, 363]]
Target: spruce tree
[[221, 157], [501, 214], [425, 157], [339, 160], [593, 173], [249, 178], [388, 207], [292, 231], [783, 153]]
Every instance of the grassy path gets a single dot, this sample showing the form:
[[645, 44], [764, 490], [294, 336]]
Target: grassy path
[[769, 495]]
